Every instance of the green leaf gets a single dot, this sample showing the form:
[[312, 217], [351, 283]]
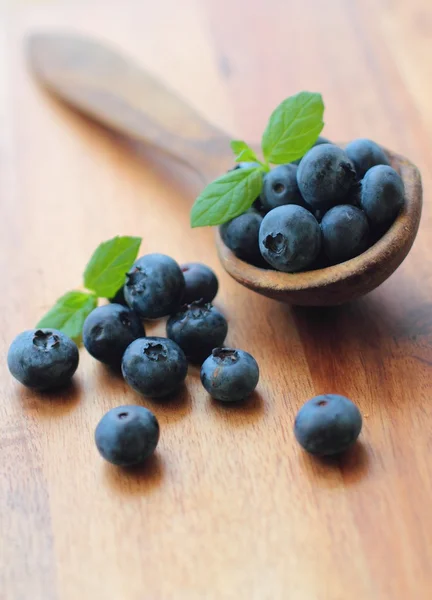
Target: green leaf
[[227, 197], [293, 128], [243, 153], [69, 313], [107, 268]]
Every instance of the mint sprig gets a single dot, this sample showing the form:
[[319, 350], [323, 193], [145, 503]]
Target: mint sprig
[[105, 272], [292, 130], [227, 197], [243, 152], [69, 313], [103, 277]]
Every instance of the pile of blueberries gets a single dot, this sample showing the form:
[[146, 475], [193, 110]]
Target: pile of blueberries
[[325, 209], [156, 286]]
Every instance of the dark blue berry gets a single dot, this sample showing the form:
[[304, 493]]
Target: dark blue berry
[[241, 235], [108, 331], [320, 140], [43, 358], [345, 232], [327, 424], [201, 283], [154, 366], [290, 238], [325, 176], [119, 297], [280, 188], [382, 195], [127, 435], [365, 154], [229, 375], [197, 328], [154, 286]]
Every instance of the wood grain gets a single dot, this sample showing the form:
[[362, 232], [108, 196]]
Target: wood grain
[[230, 508]]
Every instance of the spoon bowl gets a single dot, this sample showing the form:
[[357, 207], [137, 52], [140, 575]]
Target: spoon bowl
[[348, 280]]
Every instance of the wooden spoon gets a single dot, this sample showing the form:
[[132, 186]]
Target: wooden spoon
[[113, 90]]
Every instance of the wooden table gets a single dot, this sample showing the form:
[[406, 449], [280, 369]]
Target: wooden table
[[230, 507]]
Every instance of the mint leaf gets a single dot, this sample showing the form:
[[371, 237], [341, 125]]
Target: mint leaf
[[106, 270], [227, 197], [243, 153], [69, 313], [293, 128]]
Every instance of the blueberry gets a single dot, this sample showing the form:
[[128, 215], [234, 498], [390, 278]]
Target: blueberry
[[119, 297], [365, 154], [197, 329], [154, 366], [245, 165], [43, 358], [241, 235], [280, 188], [345, 233], [325, 176], [154, 286], [327, 424], [320, 140], [290, 238], [201, 283], [382, 195], [127, 435], [108, 331], [229, 375]]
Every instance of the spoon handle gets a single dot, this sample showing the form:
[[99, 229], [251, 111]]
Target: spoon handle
[[113, 90]]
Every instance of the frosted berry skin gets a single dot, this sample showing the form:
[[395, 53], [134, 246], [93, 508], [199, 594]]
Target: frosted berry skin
[[382, 196], [290, 238], [127, 435], [241, 235], [43, 359], [154, 366], [280, 187], [229, 375], [345, 233], [327, 424], [201, 283], [108, 331], [365, 154], [325, 176], [197, 328], [154, 286]]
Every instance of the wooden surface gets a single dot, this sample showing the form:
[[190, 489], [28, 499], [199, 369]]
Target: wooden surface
[[230, 507]]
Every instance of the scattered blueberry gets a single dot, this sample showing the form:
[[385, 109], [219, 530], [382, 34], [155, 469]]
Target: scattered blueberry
[[197, 329], [327, 424], [154, 286], [119, 297], [241, 235], [43, 358], [290, 238], [108, 331], [325, 176], [345, 233], [154, 366], [280, 188], [229, 375], [365, 154], [382, 195], [201, 283], [127, 435]]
